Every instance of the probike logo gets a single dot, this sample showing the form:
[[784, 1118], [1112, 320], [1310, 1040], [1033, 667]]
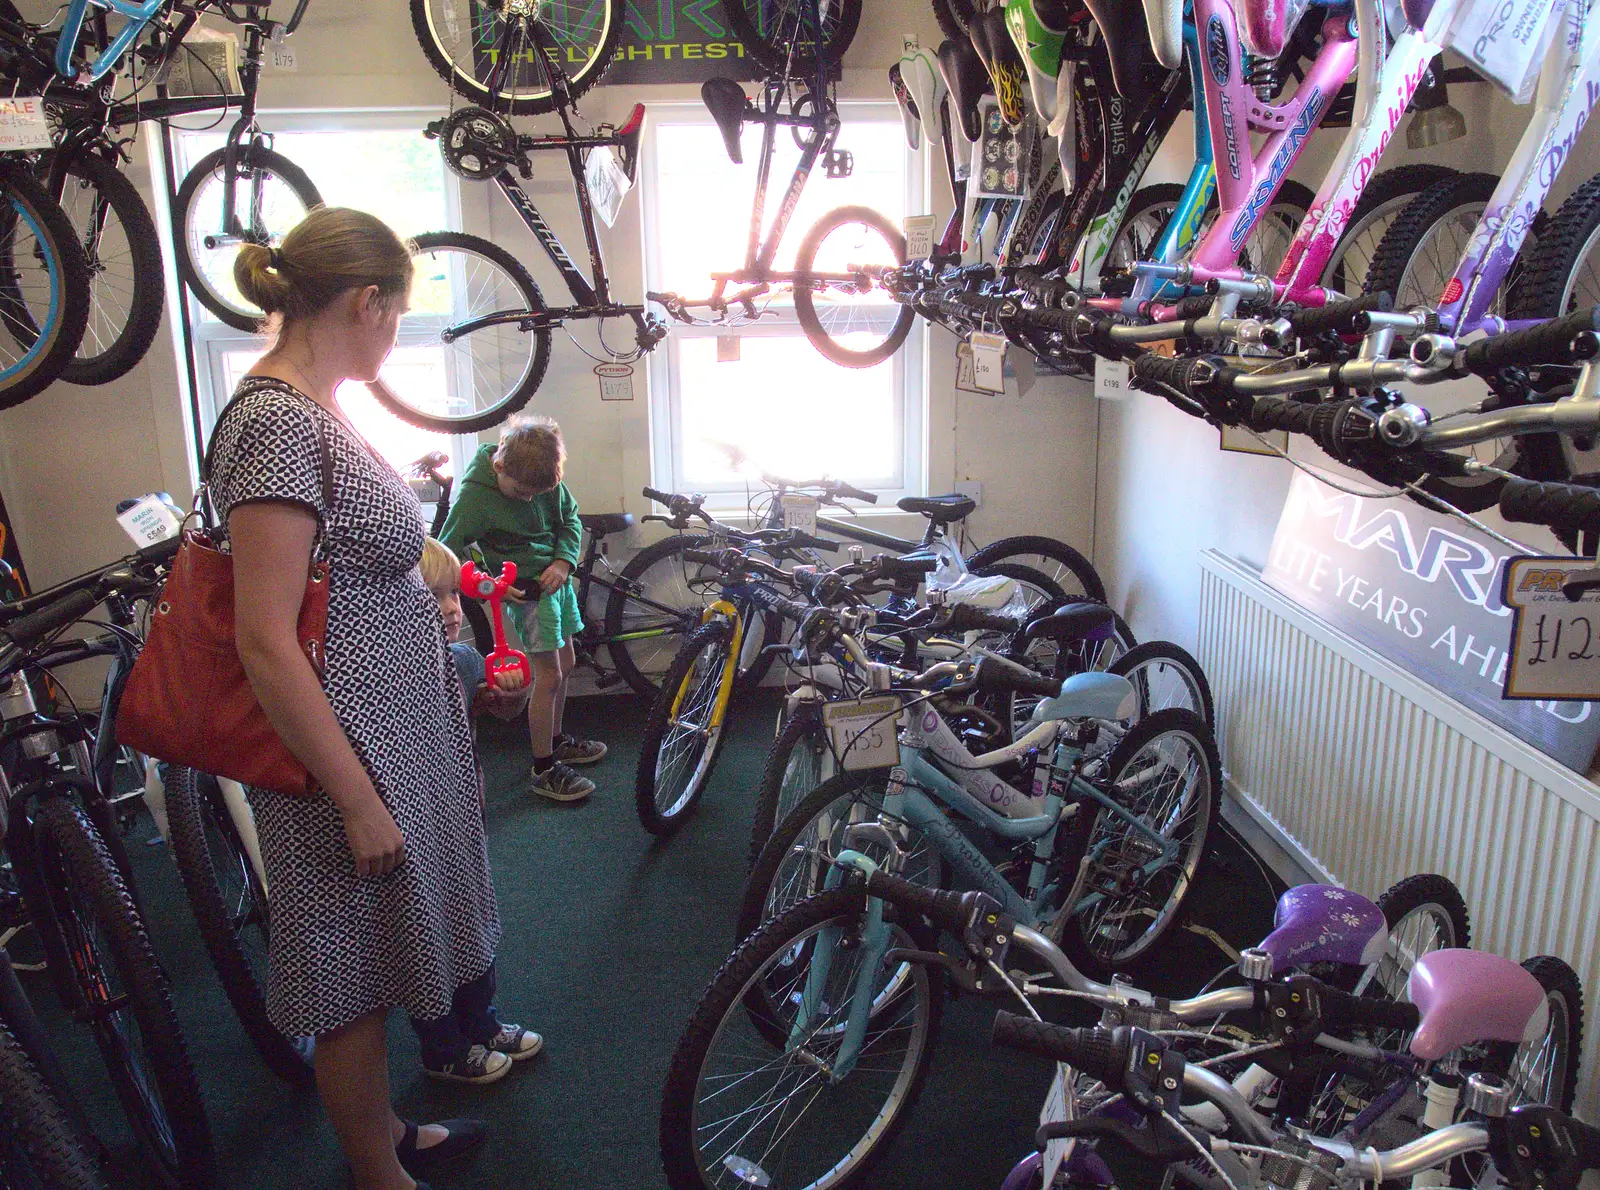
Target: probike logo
[[1217, 51]]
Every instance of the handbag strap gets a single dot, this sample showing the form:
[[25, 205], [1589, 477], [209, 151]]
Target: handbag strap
[[324, 452]]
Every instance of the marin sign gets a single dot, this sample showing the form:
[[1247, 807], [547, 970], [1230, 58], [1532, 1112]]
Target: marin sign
[[1425, 591], [678, 41]]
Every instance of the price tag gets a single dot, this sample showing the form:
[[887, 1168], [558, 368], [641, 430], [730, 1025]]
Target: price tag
[[616, 381], [799, 511], [149, 520], [727, 349], [964, 381], [865, 731], [1555, 643], [23, 124], [988, 361], [282, 58], [919, 237], [1111, 379], [1055, 1112]]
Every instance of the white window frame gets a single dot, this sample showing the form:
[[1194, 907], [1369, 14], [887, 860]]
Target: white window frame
[[212, 339], [908, 364]]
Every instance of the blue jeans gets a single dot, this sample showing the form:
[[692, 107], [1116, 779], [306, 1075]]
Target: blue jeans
[[470, 1021]]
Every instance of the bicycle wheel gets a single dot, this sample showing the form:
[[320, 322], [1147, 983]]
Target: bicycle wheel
[[230, 908], [795, 861], [1149, 210], [741, 1110], [1166, 676], [681, 740], [491, 371], [1058, 561], [657, 600], [38, 1145], [1165, 774], [780, 34], [855, 323], [44, 287], [271, 195], [799, 760], [955, 17], [465, 43], [110, 960], [1382, 200]]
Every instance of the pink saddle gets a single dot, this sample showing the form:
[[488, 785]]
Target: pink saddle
[[1268, 24], [1465, 996], [1323, 923]]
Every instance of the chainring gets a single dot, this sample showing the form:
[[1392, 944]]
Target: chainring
[[477, 144]]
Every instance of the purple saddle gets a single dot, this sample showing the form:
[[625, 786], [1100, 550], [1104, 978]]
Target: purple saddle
[[1466, 996], [1323, 923], [1417, 12]]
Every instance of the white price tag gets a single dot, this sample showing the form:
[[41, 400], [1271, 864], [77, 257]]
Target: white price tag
[[1555, 643], [988, 361], [149, 520], [1111, 379], [616, 381], [23, 124], [964, 381], [919, 237], [1055, 1112], [799, 511], [865, 731], [282, 58]]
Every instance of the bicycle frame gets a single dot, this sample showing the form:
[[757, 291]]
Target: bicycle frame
[[138, 14]]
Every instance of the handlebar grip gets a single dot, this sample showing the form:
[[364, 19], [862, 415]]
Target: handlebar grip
[[1342, 1010], [27, 631], [702, 557], [658, 496], [998, 676], [947, 910], [1549, 343], [1275, 413], [1337, 316], [909, 569], [1171, 371], [855, 493], [1193, 307], [963, 619], [1564, 507], [1093, 1051], [1046, 290], [792, 609], [807, 541], [1060, 321]]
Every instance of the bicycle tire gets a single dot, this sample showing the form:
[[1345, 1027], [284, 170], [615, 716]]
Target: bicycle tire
[[437, 42], [434, 289], [37, 1140], [213, 286], [727, 994], [1136, 658], [1152, 205], [83, 881], [775, 41], [805, 309], [712, 636], [1067, 561], [1092, 960], [192, 800], [115, 339], [27, 210], [779, 791], [1381, 201]]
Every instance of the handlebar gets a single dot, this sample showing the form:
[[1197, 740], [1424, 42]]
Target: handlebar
[[1338, 317], [1561, 340], [25, 632], [1564, 507], [142, 564], [1093, 1051]]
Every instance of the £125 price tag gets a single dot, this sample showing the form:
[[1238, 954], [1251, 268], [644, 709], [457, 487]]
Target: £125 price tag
[[23, 124], [919, 237], [1555, 642], [865, 731], [988, 361]]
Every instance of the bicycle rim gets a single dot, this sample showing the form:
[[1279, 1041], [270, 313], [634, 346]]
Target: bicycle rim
[[267, 207], [31, 293], [798, 1113], [810, 764], [689, 747], [847, 317], [472, 37], [120, 275], [1163, 682]]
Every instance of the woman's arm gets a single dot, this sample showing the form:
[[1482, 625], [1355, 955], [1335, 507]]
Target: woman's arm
[[271, 561]]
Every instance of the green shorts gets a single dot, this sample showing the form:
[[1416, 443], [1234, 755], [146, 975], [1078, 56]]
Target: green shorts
[[550, 623]]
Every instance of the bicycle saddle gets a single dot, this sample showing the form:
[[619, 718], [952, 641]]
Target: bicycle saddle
[[1164, 18], [1466, 996], [1040, 49], [992, 39], [941, 510], [1091, 695], [968, 81], [1268, 24], [910, 114], [603, 524], [628, 137], [725, 100], [1127, 38], [1075, 622], [1323, 923]]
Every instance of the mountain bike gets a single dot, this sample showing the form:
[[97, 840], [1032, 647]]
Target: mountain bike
[[38, 1145]]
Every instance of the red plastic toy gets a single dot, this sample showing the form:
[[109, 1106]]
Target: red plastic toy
[[478, 585]]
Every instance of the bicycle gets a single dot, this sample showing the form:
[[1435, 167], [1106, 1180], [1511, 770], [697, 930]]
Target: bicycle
[[73, 872]]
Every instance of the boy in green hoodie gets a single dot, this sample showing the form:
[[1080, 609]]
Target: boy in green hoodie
[[512, 504]]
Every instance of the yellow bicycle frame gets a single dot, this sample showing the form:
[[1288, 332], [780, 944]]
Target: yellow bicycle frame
[[730, 668]]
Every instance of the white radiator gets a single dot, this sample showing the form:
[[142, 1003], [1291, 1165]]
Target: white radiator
[[1374, 775]]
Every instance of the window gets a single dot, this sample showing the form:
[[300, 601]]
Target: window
[[768, 390], [378, 162]]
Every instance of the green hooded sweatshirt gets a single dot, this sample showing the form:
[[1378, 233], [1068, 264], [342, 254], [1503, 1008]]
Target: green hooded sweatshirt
[[531, 533]]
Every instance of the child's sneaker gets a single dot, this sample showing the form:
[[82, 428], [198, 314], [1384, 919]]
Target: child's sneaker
[[571, 750], [515, 1042], [560, 784], [480, 1064]]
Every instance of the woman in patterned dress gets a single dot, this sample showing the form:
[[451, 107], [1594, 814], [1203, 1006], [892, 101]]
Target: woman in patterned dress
[[381, 894]]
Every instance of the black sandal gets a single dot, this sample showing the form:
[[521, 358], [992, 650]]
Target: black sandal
[[464, 1136]]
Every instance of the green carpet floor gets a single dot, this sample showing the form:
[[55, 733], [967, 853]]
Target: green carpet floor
[[610, 937]]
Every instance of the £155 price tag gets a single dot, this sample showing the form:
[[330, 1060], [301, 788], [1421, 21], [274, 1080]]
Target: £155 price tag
[[1555, 641], [988, 361], [865, 731], [799, 511], [919, 237]]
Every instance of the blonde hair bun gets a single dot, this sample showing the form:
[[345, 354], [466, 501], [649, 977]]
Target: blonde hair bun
[[330, 251]]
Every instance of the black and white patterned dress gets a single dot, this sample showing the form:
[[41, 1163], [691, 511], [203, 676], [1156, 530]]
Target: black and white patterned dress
[[343, 945]]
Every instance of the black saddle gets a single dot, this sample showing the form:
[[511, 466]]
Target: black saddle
[[968, 80], [1127, 36], [726, 101], [603, 524], [1007, 74], [1054, 15], [941, 510], [1075, 622], [628, 141]]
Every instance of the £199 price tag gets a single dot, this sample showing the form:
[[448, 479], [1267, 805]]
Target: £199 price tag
[[988, 361], [1111, 380], [919, 237]]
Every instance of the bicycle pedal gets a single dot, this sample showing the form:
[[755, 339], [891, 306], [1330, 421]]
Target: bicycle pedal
[[839, 163], [604, 678]]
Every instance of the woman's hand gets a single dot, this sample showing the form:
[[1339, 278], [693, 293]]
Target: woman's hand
[[554, 575], [375, 840]]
